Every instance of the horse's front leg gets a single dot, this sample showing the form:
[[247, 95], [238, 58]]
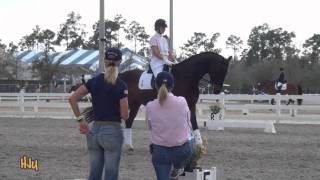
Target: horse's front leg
[[196, 132]]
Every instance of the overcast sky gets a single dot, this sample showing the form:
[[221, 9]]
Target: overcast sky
[[227, 17]]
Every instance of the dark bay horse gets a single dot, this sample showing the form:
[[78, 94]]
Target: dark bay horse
[[268, 87], [187, 75]]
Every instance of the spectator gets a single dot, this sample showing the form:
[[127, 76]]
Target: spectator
[[110, 105], [168, 120]]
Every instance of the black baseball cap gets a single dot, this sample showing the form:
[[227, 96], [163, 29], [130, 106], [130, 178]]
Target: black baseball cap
[[113, 54], [164, 78]]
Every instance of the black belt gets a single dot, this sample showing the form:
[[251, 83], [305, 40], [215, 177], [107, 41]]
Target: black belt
[[180, 145], [172, 147]]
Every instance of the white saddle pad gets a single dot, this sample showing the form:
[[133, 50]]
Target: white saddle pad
[[145, 81], [283, 87]]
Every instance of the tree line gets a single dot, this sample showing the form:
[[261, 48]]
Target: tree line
[[267, 50]]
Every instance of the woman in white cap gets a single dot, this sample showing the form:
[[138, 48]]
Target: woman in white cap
[[110, 105], [168, 120]]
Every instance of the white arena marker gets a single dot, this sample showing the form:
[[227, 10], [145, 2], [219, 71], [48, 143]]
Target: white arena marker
[[220, 125], [197, 174]]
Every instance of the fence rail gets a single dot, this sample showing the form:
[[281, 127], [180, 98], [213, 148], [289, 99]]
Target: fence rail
[[249, 106], [259, 106]]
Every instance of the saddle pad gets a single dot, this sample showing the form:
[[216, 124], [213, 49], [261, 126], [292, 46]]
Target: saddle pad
[[145, 81], [283, 87]]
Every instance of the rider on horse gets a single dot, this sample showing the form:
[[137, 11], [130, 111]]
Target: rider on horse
[[160, 54], [281, 80]]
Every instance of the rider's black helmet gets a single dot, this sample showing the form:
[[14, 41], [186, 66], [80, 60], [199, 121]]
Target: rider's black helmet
[[160, 23]]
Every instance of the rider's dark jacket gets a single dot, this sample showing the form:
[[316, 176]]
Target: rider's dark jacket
[[281, 77]]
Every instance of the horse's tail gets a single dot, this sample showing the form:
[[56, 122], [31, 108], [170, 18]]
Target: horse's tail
[[300, 91]]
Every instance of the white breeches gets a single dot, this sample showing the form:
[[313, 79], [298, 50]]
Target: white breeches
[[156, 69]]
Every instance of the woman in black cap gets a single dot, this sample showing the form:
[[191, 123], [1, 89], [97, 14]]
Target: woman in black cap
[[110, 105], [168, 120]]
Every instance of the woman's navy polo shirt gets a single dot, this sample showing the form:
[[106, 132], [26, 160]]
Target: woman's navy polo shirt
[[106, 98]]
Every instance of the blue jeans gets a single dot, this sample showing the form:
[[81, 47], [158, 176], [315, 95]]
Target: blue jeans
[[163, 158], [104, 145]]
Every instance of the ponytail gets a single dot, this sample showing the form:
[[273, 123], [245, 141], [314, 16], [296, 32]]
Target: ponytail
[[162, 93], [111, 74]]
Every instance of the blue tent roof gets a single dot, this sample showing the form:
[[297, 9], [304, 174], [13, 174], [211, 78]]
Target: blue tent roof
[[87, 58]]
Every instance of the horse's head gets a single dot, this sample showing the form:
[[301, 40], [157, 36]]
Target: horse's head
[[218, 72], [265, 86]]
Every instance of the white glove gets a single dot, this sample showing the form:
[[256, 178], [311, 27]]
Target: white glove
[[166, 61]]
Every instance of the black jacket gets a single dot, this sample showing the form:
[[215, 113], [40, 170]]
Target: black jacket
[[281, 77]]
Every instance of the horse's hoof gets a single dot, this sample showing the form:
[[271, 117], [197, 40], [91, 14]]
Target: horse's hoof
[[200, 146], [129, 147]]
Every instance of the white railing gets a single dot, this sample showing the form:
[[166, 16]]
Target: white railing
[[249, 106], [37, 105], [18, 97], [252, 105]]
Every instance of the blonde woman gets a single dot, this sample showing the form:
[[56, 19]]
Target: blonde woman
[[110, 105], [168, 120]]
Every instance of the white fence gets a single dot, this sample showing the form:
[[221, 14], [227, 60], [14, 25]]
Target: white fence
[[37, 105], [259, 106], [253, 107]]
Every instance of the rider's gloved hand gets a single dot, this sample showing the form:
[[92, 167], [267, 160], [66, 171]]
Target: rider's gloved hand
[[166, 60]]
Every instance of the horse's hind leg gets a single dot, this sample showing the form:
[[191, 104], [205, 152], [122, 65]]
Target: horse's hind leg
[[127, 131], [273, 102], [290, 101]]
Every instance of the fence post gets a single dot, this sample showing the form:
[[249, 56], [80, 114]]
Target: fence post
[[21, 101], [278, 101], [223, 108], [36, 105]]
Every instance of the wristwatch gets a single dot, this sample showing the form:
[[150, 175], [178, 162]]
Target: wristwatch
[[80, 118]]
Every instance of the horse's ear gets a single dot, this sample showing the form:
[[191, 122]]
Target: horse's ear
[[229, 58]]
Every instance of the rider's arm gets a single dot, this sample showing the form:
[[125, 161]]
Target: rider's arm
[[156, 52]]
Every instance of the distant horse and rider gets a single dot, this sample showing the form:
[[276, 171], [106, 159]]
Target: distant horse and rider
[[187, 75], [280, 86]]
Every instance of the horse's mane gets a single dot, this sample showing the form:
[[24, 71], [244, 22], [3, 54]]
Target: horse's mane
[[267, 82], [193, 58], [201, 55]]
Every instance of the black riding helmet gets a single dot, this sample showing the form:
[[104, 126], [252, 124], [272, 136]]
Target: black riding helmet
[[160, 23], [114, 55], [164, 78]]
